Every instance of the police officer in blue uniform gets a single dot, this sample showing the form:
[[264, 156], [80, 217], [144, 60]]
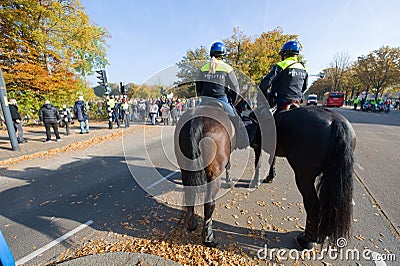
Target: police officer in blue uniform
[[287, 78], [218, 80]]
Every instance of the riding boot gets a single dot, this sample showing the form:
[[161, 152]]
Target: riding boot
[[242, 139]]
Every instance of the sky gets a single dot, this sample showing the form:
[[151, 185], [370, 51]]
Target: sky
[[149, 36]]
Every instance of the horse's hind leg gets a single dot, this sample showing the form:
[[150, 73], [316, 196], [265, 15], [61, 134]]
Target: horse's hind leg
[[190, 219], [190, 198], [209, 206], [311, 204]]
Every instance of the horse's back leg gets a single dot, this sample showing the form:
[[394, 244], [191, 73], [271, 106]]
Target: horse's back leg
[[190, 198], [209, 207], [306, 186]]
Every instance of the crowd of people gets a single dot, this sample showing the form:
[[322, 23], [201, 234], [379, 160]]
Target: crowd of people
[[161, 110], [372, 104]]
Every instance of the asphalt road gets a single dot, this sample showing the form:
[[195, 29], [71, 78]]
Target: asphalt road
[[131, 187], [377, 157]]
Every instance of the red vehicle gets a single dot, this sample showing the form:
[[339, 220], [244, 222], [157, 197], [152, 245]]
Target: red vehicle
[[333, 99]]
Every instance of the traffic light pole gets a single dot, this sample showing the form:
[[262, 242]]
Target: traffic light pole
[[7, 114], [103, 82], [109, 110]]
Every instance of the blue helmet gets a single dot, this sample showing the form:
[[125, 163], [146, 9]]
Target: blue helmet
[[291, 48], [218, 49]]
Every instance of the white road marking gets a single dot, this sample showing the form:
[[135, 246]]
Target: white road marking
[[53, 243], [162, 179]]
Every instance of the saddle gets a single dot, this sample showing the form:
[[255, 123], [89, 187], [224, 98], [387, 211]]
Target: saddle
[[288, 105], [240, 140]]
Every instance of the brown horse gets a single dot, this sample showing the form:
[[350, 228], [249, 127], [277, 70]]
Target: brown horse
[[203, 144]]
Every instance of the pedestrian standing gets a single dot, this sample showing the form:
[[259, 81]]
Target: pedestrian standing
[[81, 114], [125, 112], [66, 118], [49, 115], [134, 110], [153, 112], [355, 103], [179, 107], [142, 110], [174, 112], [17, 121], [165, 113]]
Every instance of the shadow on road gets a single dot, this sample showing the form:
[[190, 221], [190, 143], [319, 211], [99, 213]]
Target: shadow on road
[[102, 189]]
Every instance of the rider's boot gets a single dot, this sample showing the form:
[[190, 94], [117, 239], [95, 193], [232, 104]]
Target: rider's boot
[[242, 139]]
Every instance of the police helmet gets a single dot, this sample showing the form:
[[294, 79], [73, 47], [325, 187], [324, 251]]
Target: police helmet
[[218, 49], [290, 48]]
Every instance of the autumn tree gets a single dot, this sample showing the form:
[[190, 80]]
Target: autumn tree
[[48, 47], [379, 69], [336, 71]]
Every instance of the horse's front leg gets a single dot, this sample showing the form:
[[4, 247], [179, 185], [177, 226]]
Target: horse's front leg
[[255, 182], [228, 176], [271, 174], [209, 206]]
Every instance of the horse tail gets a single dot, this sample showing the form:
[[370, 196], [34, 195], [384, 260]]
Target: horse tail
[[335, 187], [194, 133]]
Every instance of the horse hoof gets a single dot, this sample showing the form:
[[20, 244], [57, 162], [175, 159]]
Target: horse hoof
[[192, 226], [254, 185], [229, 182], [302, 242], [268, 180], [211, 244]]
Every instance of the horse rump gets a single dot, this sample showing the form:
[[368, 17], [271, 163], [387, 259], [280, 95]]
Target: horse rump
[[190, 158]]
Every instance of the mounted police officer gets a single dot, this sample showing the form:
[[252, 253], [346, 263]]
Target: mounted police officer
[[218, 80], [288, 79]]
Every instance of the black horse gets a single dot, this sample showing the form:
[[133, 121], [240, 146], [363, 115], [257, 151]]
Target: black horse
[[318, 144]]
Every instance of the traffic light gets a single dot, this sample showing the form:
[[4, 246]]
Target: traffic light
[[162, 91], [124, 88], [102, 78]]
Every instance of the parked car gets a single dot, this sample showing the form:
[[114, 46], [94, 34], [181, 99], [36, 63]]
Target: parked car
[[312, 99]]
